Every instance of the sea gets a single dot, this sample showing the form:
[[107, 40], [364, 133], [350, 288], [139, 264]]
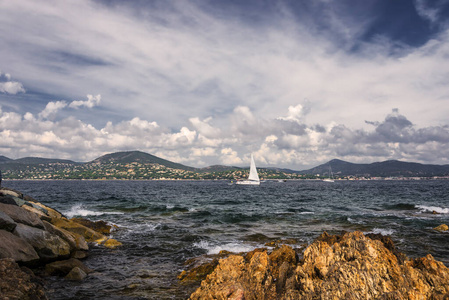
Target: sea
[[162, 224]]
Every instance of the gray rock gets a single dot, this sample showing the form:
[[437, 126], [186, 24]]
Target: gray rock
[[48, 246], [76, 274], [20, 215], [6, 223], [63, 267], [16, 248], [76, 241]]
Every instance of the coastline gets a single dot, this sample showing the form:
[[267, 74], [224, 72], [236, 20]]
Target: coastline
[[39, 241]]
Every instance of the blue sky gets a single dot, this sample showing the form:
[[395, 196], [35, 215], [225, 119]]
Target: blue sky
[[297, 83]]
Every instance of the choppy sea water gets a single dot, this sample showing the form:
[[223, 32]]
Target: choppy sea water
[[164, 223]]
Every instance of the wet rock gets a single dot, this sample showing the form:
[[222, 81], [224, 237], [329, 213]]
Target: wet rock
[[48, 246], [16, 248], [63, 267], [76, 274], [350, 266], [99, 226], [112, 244], [442, 227], [76, 241], [88, 234], [17, 284], [6, 223], [21, 215]]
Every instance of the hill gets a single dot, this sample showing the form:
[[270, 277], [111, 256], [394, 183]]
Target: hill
[[4, 159], [389, 168], [127, 157]]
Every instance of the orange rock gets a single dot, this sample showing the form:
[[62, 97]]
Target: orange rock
[[351, 266]]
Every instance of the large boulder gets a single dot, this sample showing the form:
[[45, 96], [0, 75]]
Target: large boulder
[[76, 241], [48, 246], [21, 215], [6, 222], [99, 226], [89, 234], [17, 284], [351, 266], [13, 247]]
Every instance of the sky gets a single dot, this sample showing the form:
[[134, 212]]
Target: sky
[[205, 82]]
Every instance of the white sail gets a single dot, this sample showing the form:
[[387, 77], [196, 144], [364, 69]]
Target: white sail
[[253, 171], [253, 178]]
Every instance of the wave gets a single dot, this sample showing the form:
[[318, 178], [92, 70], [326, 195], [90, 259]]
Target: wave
[[431, 209], [382, 231], [79, 211], [215, 249]]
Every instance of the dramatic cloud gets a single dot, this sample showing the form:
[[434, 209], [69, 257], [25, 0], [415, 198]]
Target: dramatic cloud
[[208, 82]]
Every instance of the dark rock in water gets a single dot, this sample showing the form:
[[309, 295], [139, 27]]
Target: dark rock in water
[[16, 248], [99, 226], [88, 234], [76, 274], [63, 267], [6, 223], [17, 284], [350, 266], [48, 246], [21, 215]]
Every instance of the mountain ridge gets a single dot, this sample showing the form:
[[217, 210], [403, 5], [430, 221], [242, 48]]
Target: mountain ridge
[[341, 168]]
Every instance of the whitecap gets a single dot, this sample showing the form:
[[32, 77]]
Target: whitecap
[[381, 231], [215, 249], [170, 206], [430, 209], [80, 210]]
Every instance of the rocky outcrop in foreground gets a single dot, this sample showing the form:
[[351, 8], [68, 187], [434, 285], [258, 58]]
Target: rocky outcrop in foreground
[[34, 235], [351, 266]]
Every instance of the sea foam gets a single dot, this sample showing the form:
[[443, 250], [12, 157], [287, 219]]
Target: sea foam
[[381, 231], [215, 249], [430, 209], [79, 210]]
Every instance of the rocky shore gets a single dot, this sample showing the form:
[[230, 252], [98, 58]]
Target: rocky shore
[[36, 239], [347, 266]]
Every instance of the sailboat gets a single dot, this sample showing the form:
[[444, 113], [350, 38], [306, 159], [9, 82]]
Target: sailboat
[[253, 178], [331, 176]]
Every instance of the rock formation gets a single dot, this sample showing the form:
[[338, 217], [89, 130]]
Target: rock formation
[[351, 266], [32, 234]]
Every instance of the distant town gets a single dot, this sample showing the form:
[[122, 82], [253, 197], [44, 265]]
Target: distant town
[[135, 165]]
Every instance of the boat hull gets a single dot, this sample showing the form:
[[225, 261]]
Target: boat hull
[[248, 182]]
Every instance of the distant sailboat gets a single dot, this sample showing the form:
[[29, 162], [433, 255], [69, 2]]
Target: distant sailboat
[[331, 176], [253, 178]]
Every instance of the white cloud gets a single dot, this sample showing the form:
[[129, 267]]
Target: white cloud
[[91, 102], [51, 109], [10, 87], [182, 81]]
